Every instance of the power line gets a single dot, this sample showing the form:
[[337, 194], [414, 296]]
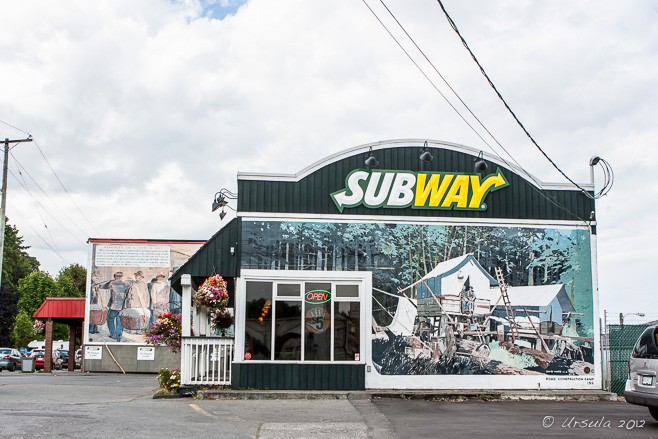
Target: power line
[[41, 205], [20, 166], [454, 27], [66, 190], [550, 199], [37, 233]]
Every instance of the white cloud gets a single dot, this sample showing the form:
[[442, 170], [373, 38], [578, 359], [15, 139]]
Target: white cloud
[[153, 104]]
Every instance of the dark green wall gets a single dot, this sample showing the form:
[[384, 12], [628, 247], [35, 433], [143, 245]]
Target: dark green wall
[[520, 200], [307, 376], [214, 257]]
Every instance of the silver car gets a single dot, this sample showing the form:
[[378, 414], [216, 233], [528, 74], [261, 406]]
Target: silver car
[[641, 386], [10, 359]]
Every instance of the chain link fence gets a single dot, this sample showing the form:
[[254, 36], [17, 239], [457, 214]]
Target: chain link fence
[[616, 346]]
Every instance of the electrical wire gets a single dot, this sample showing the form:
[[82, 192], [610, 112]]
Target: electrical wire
[[20, 166], [459, 97], [41, 205], [40, 216], [66, 190], [550, 199], [14, 208], [454, 27]]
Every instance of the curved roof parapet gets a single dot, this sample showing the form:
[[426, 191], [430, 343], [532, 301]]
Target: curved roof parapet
[[408, 143]]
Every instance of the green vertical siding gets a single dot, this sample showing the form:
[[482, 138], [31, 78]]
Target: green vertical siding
[[308, 376], [215, 257], [520, 200]]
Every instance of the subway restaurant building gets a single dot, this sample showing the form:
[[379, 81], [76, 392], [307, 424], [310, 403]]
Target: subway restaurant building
[[413, 271]]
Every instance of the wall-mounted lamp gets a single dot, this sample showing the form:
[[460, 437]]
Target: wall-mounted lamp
[[425, 154], [371, 161], [221, 200], [479, 163]]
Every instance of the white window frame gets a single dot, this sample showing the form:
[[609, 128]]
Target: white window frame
[[361, 278]]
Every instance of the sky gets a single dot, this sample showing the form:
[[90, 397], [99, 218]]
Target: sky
[[141, 111]]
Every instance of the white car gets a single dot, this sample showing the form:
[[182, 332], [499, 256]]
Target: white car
[[641, 386]]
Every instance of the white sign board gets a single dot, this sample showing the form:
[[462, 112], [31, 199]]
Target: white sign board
[[145, 353], [93, 352], [132, 256]]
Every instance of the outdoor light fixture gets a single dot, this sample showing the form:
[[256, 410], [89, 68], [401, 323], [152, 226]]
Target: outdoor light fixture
[[222, 214], [371, 161], [479, 163], [425, 154], [221, 200]]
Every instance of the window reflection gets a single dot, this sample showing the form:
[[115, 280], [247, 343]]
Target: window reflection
[[258, 321], [288, 340], [346, 335]]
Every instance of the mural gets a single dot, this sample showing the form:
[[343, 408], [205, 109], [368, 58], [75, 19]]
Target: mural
[[130, 288], [454, 299]]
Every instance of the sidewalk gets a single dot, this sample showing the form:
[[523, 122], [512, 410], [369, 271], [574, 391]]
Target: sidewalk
[[448, 395]]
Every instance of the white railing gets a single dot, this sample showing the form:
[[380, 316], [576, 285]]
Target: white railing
[[206, 360]]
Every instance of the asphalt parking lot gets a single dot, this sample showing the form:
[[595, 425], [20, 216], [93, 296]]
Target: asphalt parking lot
[[74, 404]]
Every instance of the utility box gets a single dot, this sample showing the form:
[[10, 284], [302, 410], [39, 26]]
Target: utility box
[[28, 364]]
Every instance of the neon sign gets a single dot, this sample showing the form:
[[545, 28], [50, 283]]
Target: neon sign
[[315, 297]]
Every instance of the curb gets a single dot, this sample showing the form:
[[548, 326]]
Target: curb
[[445, 395]]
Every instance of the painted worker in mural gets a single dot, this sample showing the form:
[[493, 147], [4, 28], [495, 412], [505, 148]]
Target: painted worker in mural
[[136, 315], [159, 297], [118, 289]]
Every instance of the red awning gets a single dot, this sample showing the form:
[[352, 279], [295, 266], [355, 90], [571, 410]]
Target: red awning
[[62, 309]]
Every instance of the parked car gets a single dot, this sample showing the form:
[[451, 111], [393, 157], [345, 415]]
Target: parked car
[[641, 386], [78, 358], [10, 359], [60, 359], [39, 356]]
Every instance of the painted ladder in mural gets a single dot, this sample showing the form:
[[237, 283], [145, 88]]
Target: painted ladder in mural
[[513, 327]]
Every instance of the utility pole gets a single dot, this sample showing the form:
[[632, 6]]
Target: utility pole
[[3, 202]]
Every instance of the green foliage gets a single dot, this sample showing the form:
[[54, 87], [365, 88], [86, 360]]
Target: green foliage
[[23, 332], [77, 274], [8, 309], [17, 263], [33, 291]]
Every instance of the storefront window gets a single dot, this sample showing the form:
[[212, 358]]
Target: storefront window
[[258, 321], [303, 320], [317, 322], [346, 333], [288, 339]]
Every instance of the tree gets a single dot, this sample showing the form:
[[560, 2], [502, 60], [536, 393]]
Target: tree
[[78, 276], [17, 263], [8, 309], [23, 332], [33, 291]]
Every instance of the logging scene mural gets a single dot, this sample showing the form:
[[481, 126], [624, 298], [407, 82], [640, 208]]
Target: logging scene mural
[[470, 300]]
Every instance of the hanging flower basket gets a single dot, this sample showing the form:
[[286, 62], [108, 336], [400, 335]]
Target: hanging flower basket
[[212, 294], [221, 320]]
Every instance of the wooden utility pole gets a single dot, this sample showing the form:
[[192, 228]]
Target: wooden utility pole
[[3, 202]]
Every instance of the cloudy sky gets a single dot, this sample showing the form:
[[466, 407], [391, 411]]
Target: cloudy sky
[[141, 111]]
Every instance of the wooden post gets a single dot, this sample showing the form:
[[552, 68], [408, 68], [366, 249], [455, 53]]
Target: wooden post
[[48, 357], [72, 331]]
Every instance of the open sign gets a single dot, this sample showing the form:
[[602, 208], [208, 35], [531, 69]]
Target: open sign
[[315, 297]]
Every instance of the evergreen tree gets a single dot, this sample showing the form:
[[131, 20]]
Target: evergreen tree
[[8, 309], [17, 263]]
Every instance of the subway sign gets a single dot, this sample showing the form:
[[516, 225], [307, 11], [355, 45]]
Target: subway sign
[[418, 190]]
